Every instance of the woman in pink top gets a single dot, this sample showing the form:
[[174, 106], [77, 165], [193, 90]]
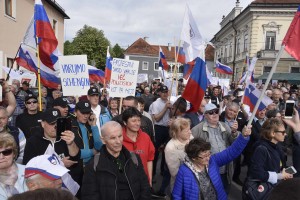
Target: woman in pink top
[[137, 141]]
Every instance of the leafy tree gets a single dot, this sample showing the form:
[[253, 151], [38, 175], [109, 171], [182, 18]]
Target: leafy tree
[[118, 52], [89, 41]]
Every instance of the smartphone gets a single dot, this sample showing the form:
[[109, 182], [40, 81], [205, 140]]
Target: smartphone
[[289, 108], [291, 170], [63, 124]]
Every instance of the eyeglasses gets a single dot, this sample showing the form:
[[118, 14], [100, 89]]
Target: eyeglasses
[[30, 102], [205, 156], [6, 152], [211, 112], [282, 132]]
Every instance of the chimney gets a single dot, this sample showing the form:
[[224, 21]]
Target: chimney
[[169, 46], [146, 38], [223, 17], [237, 3]]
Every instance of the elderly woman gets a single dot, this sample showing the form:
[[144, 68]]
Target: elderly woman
[[11, 174], [181, 135], [199, 177], [137, 141], [113, 106]]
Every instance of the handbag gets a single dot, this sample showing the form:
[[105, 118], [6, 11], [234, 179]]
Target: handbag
[[254, 189]]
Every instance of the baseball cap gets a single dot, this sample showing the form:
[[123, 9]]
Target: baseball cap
[[240, 93], [164, 89], [93, 91], [25, 83], [47, 166], [209, 106], [30, 96], [83, 106], [50, 115], [60, 101]]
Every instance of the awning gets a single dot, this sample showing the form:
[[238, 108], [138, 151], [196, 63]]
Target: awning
[[293, 78]]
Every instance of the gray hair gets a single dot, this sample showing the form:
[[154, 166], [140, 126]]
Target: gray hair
[[109, 125]]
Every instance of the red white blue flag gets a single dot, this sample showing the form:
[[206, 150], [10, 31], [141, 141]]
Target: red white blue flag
[[162, 60], [46, 38], [96, 74], [223, 69]]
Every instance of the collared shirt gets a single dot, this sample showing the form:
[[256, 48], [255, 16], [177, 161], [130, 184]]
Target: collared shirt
[[156, 108], [97, 112], [260, 121]]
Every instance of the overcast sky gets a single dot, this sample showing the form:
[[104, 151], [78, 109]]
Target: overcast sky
[[124, 21]]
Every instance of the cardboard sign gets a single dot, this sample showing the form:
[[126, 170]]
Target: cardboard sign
[[74, 75], [123, 77], [142, 78]]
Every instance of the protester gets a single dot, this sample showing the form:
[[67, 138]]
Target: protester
[[198, 177], [115, 173], [25, 87], [11, 174], [196, 117], [47, 171], [215, 98], [28, 121], [174, 152], [19, 105], [141, 107], [61, 103], [9, 97], [148, 98], [44, 194], [135, 140], [114, 107]]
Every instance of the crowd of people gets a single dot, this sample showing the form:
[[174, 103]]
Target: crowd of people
[[101, 147]]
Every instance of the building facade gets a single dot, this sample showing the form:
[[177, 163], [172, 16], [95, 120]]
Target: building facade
[[148, 57], [15, 16], [258, 30]]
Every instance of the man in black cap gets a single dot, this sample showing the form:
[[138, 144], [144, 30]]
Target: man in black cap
[[25, 87], [85, 127], [28, 120], [66, 146], [102, 114], [61, 103]]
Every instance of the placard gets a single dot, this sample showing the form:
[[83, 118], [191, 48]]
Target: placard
[[74, 75], [124, 75], [142, 78]]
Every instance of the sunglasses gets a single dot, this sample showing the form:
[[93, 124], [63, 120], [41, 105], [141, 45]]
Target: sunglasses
[[30, 102], [211, 112], [6, 152]]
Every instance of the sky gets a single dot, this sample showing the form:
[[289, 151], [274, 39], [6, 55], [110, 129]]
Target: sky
[[124, 21]]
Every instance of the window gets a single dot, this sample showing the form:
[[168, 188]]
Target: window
[[295, 69], [246, 43], [145, 65], [54, 26], [230, 49], [270, 40], [156, 66], [238, 46], [267, 69], [10, 8]]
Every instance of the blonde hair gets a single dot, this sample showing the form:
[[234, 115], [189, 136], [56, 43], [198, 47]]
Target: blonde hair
[[178, 125], [7, 140]]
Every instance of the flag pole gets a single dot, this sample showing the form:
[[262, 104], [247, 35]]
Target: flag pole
[[266, 84], [13, 63], [39, 74], [175, 70]]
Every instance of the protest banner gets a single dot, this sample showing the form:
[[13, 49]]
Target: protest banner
[[142, 78], [214, 81], [74, 75], [123, 77]]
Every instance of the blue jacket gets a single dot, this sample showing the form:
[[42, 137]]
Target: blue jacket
[[105, 116], [186, 185]]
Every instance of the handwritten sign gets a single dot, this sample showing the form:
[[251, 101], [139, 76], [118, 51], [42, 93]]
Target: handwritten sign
[[74, 75], [142, 78], [123, 77]]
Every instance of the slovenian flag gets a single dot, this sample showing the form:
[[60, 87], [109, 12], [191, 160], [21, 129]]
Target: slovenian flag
[[108, 65], [162, 60], [28, 60], [96, 74], [252, 95], [46, 38], [223, 69], [196, 85], [181, 55]]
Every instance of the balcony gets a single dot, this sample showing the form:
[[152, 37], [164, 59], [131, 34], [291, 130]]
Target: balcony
[[267, 53]]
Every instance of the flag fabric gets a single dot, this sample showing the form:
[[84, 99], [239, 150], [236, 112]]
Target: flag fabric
[[181, 55], [196, 85], [28, 60], [292, 37], [252, 95], [96, 75], [46, 38], [193, 43], [249, 73], [187, 69], [108, 65], [162, 60], [223, 69]]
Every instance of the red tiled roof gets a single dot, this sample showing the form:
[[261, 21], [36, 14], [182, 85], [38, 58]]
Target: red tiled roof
[[276, 1], [141, 47]]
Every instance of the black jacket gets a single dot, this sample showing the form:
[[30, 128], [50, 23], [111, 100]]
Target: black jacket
[[29, 124], [102, 183]]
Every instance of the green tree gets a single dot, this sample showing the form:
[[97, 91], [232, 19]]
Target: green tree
[[118, 52], [89, 41]]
